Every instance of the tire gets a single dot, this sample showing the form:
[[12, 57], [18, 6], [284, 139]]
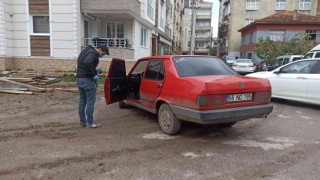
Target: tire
[[121, 105], [168, 122], [227, 125]]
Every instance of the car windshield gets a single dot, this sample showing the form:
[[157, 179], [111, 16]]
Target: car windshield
[[201, 66]]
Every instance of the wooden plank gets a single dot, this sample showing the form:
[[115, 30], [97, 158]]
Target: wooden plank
[[26, 85], [70, 90], [14, 88], [20, 79], [15, 92]]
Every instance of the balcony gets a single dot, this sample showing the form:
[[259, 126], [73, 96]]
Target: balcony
[[118, 47], [116, 8], [203, 28], [203, 17]]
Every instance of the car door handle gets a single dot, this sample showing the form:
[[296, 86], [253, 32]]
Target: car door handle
[[301, 77], [159, 85]]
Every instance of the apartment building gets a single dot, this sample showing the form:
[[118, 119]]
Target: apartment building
[[49, 34], [280, 27], [199, 37], [236, 14]]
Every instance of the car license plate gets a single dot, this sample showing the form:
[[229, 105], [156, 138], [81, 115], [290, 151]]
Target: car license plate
[[239, 97]]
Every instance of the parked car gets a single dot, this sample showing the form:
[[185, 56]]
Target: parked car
[[298, 81], [244, 66], [261, 66], [313, 53], [200, 89], [282, 60], [230, 59]]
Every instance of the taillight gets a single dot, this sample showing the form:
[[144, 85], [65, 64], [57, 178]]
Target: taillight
[[262, 96], [211, 100]]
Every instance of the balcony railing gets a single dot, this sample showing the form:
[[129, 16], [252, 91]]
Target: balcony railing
[[110, 42], [202, 27]]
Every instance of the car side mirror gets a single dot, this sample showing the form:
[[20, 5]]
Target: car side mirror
[[276, 72]]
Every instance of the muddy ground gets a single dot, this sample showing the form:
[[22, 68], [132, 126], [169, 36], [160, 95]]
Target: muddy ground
[[40, 138]]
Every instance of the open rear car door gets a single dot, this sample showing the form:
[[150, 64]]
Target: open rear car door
[[116, 86]]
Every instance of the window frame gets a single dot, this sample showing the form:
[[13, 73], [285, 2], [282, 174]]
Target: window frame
[[279, 4], [303, 4], [160, 70], [150, 6], [249, 21], [144, 37], [275, 33], [252, 5], [32, 25], [116, 29]]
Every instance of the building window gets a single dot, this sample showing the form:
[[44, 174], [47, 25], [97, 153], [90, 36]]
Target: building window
[[277, 35], [40, 25], [252, 5], [305, 5], [115, 30], [281, 5], [249, 21], [314, 35], [251, 37], [143, 41], [150, 9]]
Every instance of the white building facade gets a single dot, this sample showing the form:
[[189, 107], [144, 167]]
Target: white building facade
[[51, 33]]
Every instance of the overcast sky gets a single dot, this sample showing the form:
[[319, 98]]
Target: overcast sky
[[215, 16]]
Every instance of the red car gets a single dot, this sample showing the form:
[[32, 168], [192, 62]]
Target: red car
[[200, 89]]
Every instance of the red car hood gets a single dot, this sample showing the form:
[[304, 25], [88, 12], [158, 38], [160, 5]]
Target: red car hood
[[233, 84]]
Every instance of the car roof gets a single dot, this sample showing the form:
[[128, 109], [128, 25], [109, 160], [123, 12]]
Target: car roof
[[171, 56], [289, 56], [313, 59]]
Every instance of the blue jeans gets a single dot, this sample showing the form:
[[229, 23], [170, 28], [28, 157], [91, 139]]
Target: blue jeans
[[87, 90]]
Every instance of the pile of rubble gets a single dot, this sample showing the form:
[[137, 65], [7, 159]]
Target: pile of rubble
[[16, 82]]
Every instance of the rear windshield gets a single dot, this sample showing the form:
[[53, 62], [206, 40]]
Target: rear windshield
[[201, 66], [243, 61]]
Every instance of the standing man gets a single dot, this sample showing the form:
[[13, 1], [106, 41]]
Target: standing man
[[86, 79]]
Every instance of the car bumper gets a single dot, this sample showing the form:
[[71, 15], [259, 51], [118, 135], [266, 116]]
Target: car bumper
[[222, 115]]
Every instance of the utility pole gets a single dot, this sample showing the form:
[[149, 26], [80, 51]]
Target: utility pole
[[192, 24]]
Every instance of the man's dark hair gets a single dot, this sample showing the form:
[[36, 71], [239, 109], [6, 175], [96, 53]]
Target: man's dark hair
[[104, 48]]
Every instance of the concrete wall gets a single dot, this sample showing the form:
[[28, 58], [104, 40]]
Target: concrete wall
[[65, 28], [16, 28]]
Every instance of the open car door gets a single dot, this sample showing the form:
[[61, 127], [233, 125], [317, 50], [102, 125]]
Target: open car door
[[116, 86]]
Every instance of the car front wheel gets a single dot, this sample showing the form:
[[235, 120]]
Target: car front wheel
[[121, 104], [168, 122]]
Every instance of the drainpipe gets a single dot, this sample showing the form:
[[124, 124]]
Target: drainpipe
[[295, 15]]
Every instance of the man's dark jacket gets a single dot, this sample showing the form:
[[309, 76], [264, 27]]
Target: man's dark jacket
[[88, 60]]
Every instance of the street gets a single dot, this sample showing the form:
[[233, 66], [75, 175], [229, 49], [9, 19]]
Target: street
[[40, 138]]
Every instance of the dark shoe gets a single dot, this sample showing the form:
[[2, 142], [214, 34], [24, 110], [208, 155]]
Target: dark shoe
[[83, 125], [93, 125]]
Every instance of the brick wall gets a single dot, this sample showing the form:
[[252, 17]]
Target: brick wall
[[6, 63], [49, 64]]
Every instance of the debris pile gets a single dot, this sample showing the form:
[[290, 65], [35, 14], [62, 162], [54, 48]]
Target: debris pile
[[16, 82]]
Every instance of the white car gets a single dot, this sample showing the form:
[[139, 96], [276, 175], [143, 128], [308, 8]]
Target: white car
[[244, 66], [297, 81]]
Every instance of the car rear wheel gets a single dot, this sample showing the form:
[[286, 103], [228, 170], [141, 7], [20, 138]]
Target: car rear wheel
[[168, 122], [121, 105]]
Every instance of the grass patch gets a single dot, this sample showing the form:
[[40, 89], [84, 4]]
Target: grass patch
[[72, 79]]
